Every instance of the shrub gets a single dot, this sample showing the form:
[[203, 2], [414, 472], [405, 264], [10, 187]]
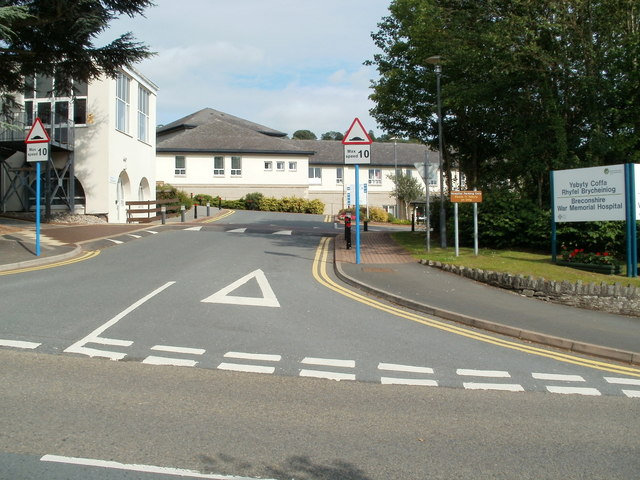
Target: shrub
[[253, 200], [167, 191], [203, 199], [377, 214]]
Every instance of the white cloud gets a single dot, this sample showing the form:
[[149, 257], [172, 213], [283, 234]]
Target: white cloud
[[288, 64]]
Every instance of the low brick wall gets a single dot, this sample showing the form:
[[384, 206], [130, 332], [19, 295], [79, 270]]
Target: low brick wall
[[619, 299]]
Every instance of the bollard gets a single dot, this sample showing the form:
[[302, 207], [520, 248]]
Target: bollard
[[347, 231], [208, 209], [366, 225], [219, 203], [182, 213], [163, 213], [195, 211], [413, 222]]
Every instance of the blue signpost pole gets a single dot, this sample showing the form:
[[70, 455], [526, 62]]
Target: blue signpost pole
[[357, 214], [632, 240], [37, 209], [554, 240]]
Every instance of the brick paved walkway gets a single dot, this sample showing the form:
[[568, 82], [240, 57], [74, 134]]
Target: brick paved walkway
[[375, 247]]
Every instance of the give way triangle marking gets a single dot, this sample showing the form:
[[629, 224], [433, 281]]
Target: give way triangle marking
[[268, 298]]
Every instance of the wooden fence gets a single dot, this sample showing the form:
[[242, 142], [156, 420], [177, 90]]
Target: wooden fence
[[136, 213]]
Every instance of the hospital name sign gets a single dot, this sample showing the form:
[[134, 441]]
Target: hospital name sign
[[590, 194]]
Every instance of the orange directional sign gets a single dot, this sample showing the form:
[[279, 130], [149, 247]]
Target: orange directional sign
[[466, 196]]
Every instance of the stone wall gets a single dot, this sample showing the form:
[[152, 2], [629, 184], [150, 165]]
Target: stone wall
[[623, 300]]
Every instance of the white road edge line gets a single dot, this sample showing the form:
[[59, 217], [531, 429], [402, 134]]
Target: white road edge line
[[254, 356], [236, 367], [88, 462], [94, 337], [508, 387], [622, 381], [404, 368], [329, 362], [483, 373], [327, 375], [408, 381], [19, 344], [558, 377], [185, 350], [176, 362], [574, 390]]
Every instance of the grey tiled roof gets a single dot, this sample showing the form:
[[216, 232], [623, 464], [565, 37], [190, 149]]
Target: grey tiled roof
[[331, 152], [211, 131]]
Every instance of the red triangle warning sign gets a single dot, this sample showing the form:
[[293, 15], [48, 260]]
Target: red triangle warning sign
[[356, 135], [37, 134]]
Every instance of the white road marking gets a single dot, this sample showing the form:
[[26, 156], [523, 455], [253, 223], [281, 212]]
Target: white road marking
[[254, 356], [236, 367], [573, 390], [327, 375], [284, 232], [88, 462], [185, 350], [404, 368], [117, 242], [19, 344], [94, 337], [483, 373], [268, 298], [508, 387], [558, 377], [176, 362], [237, 230], [152, 232], [623, 381], [134, 235], [632, 393], [408, 381], [192, 229], [329, 362]]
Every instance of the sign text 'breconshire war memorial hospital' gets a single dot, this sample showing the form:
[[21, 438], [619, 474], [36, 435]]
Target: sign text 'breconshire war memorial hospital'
[[590, 194]]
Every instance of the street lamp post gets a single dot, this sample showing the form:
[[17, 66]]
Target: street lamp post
[[437, 62]]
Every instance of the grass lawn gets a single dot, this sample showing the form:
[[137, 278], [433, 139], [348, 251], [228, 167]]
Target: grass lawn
[[508, 261]]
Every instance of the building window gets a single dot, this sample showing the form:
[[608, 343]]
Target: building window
[[143, 114], [280, 166], [181, 165], [315, 175], [55, 106], [293, 166], [236, 166], [122, 103], [218, 166], [339, 176], [268, 166], [375, 176]]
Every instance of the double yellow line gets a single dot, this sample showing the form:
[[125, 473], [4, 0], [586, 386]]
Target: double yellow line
[[320, 274], [219, 217], [84, 256]]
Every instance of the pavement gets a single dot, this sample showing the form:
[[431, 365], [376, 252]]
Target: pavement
[[388, 272]]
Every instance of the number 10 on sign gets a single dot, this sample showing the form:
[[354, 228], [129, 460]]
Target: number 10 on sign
[[37, 152], [356, 154]]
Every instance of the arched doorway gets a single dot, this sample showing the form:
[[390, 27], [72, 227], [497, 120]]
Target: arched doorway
[[144, 191], [123, 189]]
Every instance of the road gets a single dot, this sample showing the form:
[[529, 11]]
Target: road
[[252, 305]]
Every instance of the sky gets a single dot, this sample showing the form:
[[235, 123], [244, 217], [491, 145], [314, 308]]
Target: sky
[[286, 64]]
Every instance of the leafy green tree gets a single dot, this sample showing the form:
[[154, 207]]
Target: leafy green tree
[[304, 135], [56, 38], [406, 189], [333, 135], [527, 86]]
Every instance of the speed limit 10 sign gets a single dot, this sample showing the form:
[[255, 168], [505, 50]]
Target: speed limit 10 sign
[[37, 152]]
